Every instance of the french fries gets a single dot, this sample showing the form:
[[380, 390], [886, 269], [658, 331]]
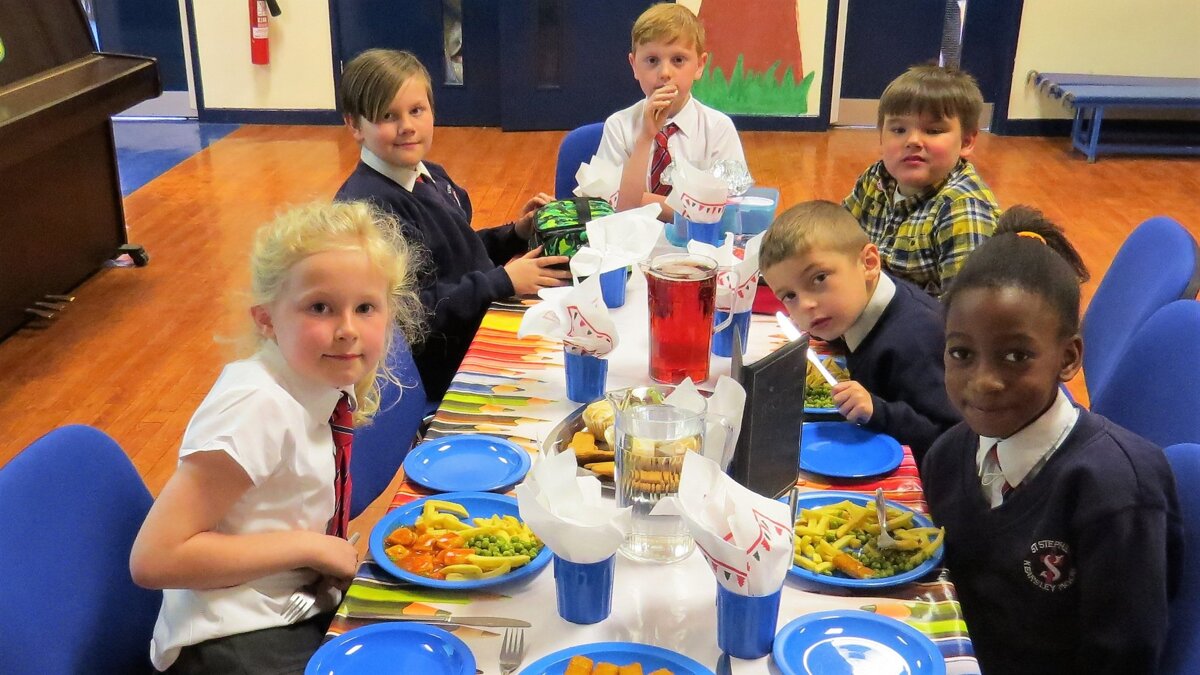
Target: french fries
[[840, 537], [582, 665]]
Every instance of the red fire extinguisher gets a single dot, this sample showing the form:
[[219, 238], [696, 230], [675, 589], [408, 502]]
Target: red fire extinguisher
[[260, 45]]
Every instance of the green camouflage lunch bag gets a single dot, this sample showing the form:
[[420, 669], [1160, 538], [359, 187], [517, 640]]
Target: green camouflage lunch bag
[[561, 226]]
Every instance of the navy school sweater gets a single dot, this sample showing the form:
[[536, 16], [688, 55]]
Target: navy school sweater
[[1073, 572], [462, 271], [900, 364]]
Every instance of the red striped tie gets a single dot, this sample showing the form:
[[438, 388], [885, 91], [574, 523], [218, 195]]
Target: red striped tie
[[660, 159], [342, 424], [994, 458]]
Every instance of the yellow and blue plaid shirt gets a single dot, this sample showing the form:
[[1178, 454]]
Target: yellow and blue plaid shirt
[[925, 238]]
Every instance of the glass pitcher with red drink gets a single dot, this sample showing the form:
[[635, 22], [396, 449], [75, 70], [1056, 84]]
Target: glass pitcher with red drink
[[682, 289]]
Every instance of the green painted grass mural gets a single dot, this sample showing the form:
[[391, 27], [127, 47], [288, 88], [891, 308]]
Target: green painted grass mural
[[746, 92]]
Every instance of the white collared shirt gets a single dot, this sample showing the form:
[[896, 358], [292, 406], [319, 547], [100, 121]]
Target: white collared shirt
[[1030, 447], [275, 424], [400, 175], [705, 137], [885, 290]]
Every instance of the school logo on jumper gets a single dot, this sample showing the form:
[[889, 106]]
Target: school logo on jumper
[[1049, 565]]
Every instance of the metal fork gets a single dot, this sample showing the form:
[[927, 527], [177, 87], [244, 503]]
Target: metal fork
[[304, 598], [884, 540], [512, 650]]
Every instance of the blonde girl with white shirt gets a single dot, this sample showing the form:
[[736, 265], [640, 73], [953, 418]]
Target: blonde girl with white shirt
[[256, 508]]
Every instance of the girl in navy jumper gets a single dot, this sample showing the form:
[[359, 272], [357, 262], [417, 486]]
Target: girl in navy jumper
[[1062, 529]]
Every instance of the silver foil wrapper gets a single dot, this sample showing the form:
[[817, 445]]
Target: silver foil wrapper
[[735, 174]]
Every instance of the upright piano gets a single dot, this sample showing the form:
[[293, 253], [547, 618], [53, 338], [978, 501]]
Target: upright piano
[[61, 217]]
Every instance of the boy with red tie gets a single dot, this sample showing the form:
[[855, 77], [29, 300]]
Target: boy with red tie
[[667, 58]]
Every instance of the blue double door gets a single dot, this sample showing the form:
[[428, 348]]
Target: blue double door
[[518, 64]]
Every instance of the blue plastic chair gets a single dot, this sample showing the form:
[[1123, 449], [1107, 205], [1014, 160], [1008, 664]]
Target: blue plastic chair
[[577, 147], [72, 504], [1154, 390], [380, 447], [1182, 653], [1156, 265]]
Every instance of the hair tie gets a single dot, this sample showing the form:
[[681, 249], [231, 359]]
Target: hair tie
[[1031, 235]]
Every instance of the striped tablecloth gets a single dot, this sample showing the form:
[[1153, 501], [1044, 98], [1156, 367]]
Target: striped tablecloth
[[515, 388]]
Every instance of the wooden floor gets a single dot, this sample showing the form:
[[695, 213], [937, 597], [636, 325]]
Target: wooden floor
[[136, 352]]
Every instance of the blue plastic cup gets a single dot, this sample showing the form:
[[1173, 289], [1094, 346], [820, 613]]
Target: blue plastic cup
[[676, 231], [586, 376], [612, 287], [584, 590], [709, 233], [722, 342], [746, 624]]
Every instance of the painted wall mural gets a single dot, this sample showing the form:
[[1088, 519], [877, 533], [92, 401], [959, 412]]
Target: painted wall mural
[[765, 57]]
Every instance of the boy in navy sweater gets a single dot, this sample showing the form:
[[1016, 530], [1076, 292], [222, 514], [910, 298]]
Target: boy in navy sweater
[[386, 100], [1062, 529], [821, 265]]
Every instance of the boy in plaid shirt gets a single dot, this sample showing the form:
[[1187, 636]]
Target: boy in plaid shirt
[[923, 204]]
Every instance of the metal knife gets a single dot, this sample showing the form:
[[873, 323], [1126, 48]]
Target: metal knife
[[488, 621]]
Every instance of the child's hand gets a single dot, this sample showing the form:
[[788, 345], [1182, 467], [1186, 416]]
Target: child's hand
[[853, 401], [531, 272], [529, 211], [335, 557], [654, 113]]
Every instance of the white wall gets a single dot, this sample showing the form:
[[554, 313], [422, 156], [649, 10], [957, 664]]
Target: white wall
[[1108, 37], [300, 75]]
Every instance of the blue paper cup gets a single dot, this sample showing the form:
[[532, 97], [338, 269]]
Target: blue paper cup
[[746, 624], [722, 342], [586, 376], [709, 233], [584, 590], [612, 287]]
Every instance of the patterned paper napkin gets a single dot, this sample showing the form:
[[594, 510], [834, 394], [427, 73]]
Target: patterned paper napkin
[[737, 278], [697, 195], [744, 536], [574, 314]]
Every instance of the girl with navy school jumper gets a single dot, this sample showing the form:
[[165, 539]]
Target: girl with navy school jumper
[[259, 504], [1062, 529], [387, 102]]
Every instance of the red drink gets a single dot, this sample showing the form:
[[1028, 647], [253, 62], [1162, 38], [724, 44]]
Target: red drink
[[682, 290]]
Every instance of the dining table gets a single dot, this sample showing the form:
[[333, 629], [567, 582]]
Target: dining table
[[514, 388]]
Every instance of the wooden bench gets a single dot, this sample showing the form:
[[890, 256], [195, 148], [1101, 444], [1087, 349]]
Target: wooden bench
[[1089, 95]]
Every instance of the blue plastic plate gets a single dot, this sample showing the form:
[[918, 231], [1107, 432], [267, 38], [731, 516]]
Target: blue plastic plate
[[845, 450], [620, 653], [393, 647], [812, 500], [854, 641], [467, 463], [478, 505]]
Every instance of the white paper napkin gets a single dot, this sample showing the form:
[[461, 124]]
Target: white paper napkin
[[598, 179], [744, 536], [737, 278], [698, 195], [566, 512], [576, 315], [618, 240], [725, 407]]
